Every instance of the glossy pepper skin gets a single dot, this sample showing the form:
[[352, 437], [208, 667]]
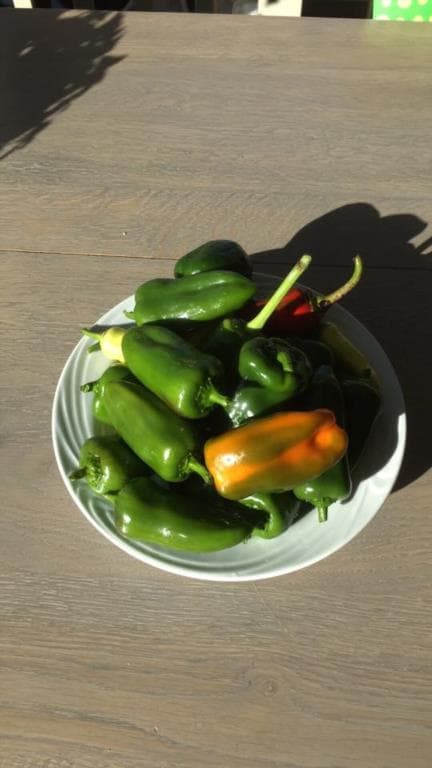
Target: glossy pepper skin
[[280, 509], [186, 379], [107, 464], [301, 310], [335, 483], [273, 371], [148, 512], [161, 438], [275, 453], [214, 255], [113, 373], [362, 403], [197, 298]]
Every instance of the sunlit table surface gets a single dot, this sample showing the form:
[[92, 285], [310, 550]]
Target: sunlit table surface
[[125, 141]]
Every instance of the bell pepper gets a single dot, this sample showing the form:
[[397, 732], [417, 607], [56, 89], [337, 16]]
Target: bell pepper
[[113, 373], [280, 510], [198, 298], [347, 357], [362, 404], [334, 484], [272, 372], [151, 513], [188, 380], [214, 255], [161, 438], [301, 310], [107, 464], [229, 336], [275, 453]]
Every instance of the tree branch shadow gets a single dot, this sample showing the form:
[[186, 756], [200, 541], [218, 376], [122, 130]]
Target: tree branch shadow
[[50, 60]]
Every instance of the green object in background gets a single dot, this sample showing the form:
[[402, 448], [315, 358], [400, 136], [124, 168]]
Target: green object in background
[[402, 10]]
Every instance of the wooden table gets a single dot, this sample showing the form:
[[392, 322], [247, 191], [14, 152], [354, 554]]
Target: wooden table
[[125, 141]]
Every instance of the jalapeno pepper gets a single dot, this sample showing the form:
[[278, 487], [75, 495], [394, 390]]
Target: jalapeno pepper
[[334, 484], [300, 311], [229, 336], [148, 512], [113, 373], [273, 371], [274, 453], [214, 255], [107, 464], [362, 403], [198, 298], [163, 440], [188, 380]]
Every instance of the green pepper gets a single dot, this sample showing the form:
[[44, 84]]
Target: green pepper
[[214, 255], [335, 483], [113, 373], [197, 298], [107, 464], [316, 351], [281, 509], [148, 512], [273, 372], [226, 341], [161, 438], [184, 378], [362, 403]]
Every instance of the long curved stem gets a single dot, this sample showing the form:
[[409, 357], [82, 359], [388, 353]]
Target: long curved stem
[[269, 307]]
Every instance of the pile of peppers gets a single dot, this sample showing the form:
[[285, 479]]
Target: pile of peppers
[[222, 416]]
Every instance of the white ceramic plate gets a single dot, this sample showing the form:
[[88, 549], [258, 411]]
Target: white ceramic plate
[[307, 541]]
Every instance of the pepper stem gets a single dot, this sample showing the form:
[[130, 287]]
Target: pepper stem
[[346, 287], [195, 466], [88, 387], [213, 396], [322, 513], [77, 474], [269, 307], [94, 348], [91, 334]]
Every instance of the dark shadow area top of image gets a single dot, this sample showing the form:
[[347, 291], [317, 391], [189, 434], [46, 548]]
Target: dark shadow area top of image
[[392, 299], [50, 60]]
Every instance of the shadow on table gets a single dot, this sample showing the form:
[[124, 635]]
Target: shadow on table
[[51, 59], [396, 309]]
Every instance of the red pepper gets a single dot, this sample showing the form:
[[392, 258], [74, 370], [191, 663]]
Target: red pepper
[[300, 311]]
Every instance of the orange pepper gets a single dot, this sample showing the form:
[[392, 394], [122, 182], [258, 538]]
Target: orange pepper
[[275, 453]]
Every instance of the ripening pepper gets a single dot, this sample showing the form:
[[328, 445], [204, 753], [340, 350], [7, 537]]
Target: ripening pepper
[[214, 255], [161, 438], [301, 310], [113, 373], [275, 453], [197, 298], [151, 513], [187, 380], [107, 464], [273, 371], [334, 484]]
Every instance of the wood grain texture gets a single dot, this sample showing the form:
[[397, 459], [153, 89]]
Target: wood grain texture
[[262, 130]]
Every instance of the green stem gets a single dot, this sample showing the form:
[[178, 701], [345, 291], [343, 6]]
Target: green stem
[[88, 387], [269, 307], [346, 287], [218, 398], [195, 466], [77, 474], [91, 334], [322, 513], [94, 348]]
